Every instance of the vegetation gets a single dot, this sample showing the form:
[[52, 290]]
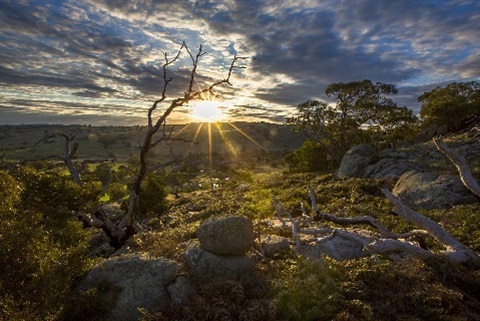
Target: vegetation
[[451, 106], [363, 113], [43, 248], [45, 251]]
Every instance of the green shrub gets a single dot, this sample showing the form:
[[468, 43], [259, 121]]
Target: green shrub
[[451, 105], [43, 249], [93, 304], [306, 290], [152, 197]]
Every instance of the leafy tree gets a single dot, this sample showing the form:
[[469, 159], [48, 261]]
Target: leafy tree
[[311, 157], [450, 105], [43, 249], [363, 113]]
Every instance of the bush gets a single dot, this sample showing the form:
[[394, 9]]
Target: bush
[[311, 157], [43, 250], [152, 197], [305, 290]]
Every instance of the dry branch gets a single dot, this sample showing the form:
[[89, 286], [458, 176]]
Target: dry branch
[[455, 249], [462, 165], [347, 221], [155, 125], [69, 153], [386, 242]]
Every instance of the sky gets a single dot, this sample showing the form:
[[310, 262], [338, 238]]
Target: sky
[[99, 62]]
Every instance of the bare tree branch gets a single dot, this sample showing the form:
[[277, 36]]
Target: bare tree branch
[[280, 210], [455, 249], [68, 154], [346, 221], [462, 165], [154, 126]]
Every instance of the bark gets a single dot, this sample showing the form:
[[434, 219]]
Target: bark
[[456, 251], [68, 154], [462, 165], [281, 211], [386, 242]]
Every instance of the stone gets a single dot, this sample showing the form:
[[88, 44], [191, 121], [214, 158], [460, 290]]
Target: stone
[[273, 245], [355, 160], [232, 235], [389, 168], [181, 290], [141, 283], [338, 248], [429, 190], [207, 265]]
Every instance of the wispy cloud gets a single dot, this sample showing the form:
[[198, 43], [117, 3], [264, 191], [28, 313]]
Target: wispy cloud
[[104, 57]]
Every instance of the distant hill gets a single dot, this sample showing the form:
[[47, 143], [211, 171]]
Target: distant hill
[[231, 140]]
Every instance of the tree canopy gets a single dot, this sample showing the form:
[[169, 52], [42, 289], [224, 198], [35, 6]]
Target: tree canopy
[[363, 112], [451, 105]]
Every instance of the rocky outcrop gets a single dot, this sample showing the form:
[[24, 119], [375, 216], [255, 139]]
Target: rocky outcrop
[[207, 265], [430, 190], [138, 283], [360, 161], [181, 290], [355, 160], [226, 236], [221, 250]]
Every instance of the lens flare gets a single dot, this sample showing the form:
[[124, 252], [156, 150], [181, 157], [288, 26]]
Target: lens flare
[[208, 111]]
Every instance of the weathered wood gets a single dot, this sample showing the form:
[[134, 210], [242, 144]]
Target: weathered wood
[[385, 242], [455, 250], [462, 166]]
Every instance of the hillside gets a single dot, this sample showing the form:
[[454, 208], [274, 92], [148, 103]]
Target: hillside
[[281, 282], [231, 140]]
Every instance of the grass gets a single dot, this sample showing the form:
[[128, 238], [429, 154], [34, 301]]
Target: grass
[[372, 288], [290, 287]]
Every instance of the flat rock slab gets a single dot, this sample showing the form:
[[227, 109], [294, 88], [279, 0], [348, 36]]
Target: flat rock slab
[[429, 190]]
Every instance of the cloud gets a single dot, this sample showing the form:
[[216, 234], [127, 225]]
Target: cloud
[[112, 51]]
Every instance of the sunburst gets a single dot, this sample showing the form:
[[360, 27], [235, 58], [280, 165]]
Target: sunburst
[[208, 111]]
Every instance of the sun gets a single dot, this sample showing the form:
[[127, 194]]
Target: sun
[[208, 111]]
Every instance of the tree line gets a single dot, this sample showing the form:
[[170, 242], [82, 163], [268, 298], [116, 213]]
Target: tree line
[[365, 113]]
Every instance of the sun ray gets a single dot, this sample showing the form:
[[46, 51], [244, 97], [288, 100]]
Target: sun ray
[[227, 141], [199, 128], [246, 135], [210, 161], [181, 130]]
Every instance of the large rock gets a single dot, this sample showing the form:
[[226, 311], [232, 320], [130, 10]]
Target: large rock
[[391, 168], [207, 265], [337, 247], [139, 283], [231, 235], [431, 191], [355, 160], [181, 290]]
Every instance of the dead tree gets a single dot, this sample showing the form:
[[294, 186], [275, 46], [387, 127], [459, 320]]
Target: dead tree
[[155, 135], [386, 241], [70, 149]]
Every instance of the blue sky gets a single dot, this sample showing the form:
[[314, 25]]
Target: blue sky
[[99, 61]]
